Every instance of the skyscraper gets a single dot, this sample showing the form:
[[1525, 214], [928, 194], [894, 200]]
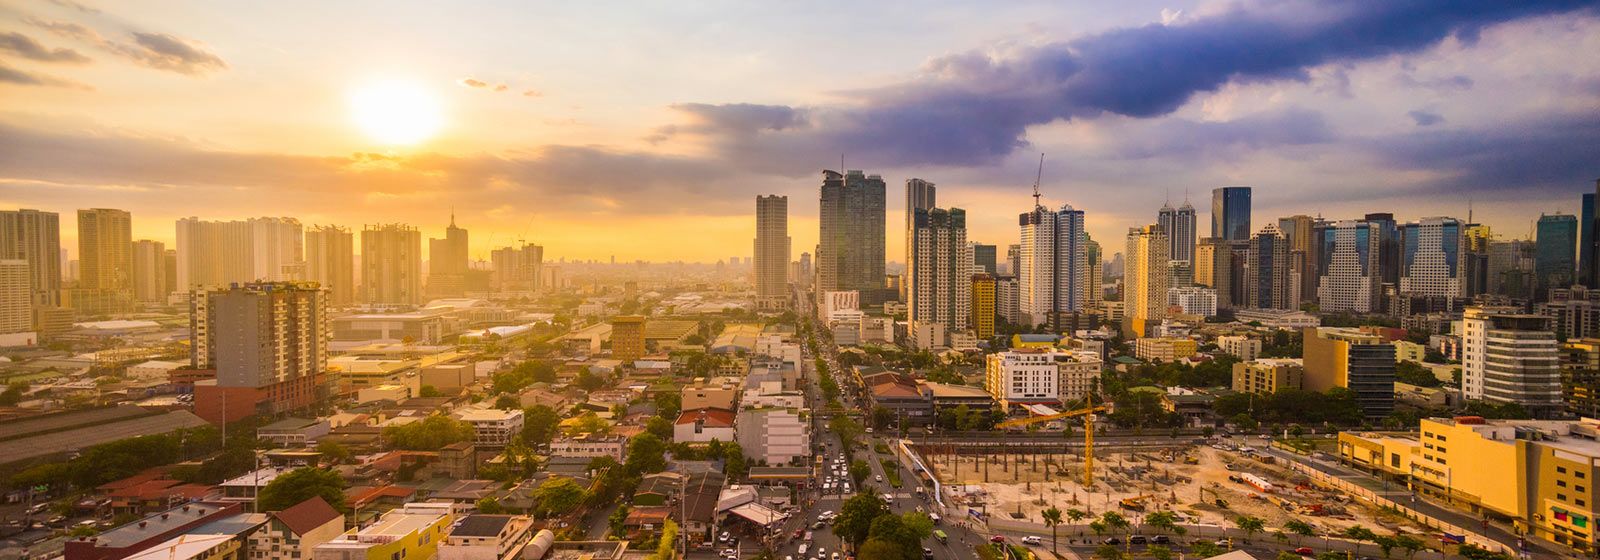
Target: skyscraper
[[1388, 245], [218, 253], [35, 237], [1093, 290], [1510, 271], [1145, 281], [984, 305], [517, 269], [1215, 265], [1180, 227], [1556, 245], [149, 271], [1431, 251], [1230, 213], [447, 261], [772, 251], [1053, 261], [16, 303], [938, 277], [391, 264], [1267, 270], [105, 256], [1297, 231], [330, 261], [1014, 259], [983, 258], [1510, 357], [1586, 241], [850, 251], [1347, 252], [267, 344]]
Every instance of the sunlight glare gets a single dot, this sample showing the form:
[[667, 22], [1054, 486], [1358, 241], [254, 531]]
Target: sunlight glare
[[395, 112]]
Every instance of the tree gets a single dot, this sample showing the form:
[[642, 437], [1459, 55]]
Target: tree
[[666, 547], [1299, 529], [332, 450], [1206, 549], [429, 392], [1250, 524], [659, 426], [1289, 556], [429, 434], [1409, 544], [882, 417], [1358, 534], [1165, 521], [1115, 522], [13, 393], [854, 522], [302, 484], [589, 381], [618, 522], [879, 549], [490, 505], [1108, 552], [846, 428], [590, 423], [1052, 519], [557, 497], [1385, 544], [539, 424], [668, 405], [507, 402], [1075, 515], [1159, 552], [646, 454], [859, 470]]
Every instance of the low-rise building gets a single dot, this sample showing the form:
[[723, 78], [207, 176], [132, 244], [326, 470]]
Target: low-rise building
[[487, 537], [774, 435], [1034, 375], [412, 531], [614, 446], [1277, 318], [1361, 362], [702, 425], [293, 432], [1267, 375], [292, 534], [1164, 349], [132, 538], [1244, 347], [492, 428]]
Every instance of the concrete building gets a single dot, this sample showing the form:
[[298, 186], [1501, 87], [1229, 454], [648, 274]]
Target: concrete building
[[1244, 347], [267, 344], [295, 532], [1510, 357], [1348, 257], [830, 304], [1193, 300], [519, 269], [1164, 349], [447, 262], [217, 253], [1007, 300], [1430, 257], [702, 425], [492, 428], [132, 538], [391, 264], [772, 251], [939, 277], [627, 337], [149, 272], [487, 537], [16, 304], [35, 237], [412, 531], [1094, 285], [1145, 282], [1054, 261], [330, 261], [1040, 375], [1180, 227], [774, 435], [1574, 311], [1268, 375], [105, 262], [983, 259], [983, 311], [850, 248], [1349, 358], [1266, 271], [614, 446]]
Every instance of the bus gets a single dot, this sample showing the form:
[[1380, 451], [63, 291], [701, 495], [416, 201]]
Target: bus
[[938, 534]]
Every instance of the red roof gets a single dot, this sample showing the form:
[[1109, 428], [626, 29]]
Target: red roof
[[144, 476], [707, 416], [308, 515], [362, 496]]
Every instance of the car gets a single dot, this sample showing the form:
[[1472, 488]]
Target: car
[[801, 532], [927, 552], [997, 539], [728, 553], [724, 537], [826, 515], [878, 478], [1032, 539], [1304, 551], [835, 556], [822, 552], [1161, 539], [1138, 539], [1111, 540], [1224, 542]]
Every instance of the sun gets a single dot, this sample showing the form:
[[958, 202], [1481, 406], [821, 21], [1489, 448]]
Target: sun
[[397, 113]]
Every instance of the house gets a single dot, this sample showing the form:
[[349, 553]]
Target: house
[[657, 489], [699, 509], [138, 536], [614, 446], [703, 425], [487, 537], [293, 533]]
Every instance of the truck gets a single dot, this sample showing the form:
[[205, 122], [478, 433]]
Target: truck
[[934, 517], [937, 533]]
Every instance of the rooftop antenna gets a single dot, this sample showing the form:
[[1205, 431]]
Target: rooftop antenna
[[1036, 180]]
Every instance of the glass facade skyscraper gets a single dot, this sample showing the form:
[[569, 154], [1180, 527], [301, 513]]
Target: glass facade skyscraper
[[1230, 213]]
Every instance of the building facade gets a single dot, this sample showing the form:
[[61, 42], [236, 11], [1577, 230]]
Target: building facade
[[772, 251], [1347, 259], [850, 250], [330, 262], [939, 287], [1510, 357], [391, 264], [1053, 264]]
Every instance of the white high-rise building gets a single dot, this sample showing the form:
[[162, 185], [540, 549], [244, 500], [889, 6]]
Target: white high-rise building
[[1054, 262], [1041, 375], [938, 273], [216, 253], [35, 237], [391, 264], [1351, 280], [1145, 281], [1005, 299], [1430, 258], [1510, 357], [1194, 300], [772, 251], [331, 261], [150, 271]]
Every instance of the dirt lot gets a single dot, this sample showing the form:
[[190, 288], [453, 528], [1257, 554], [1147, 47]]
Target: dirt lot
[[1160, 481]]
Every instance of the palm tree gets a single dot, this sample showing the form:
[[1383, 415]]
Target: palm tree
[[1052, 519]]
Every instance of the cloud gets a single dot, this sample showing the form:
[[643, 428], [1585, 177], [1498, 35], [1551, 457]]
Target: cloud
[[532, 93], [25, 47], [472, 83], [158, 51], [974, 108], [1183, 138], [76, 6], [501, 87], [1546, 153], [1425, 118], [13, 76]]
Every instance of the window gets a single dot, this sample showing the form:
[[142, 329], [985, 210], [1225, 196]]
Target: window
[[1561, 483], [1562, 470]]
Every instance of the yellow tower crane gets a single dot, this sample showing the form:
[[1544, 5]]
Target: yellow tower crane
[[1088, 433]]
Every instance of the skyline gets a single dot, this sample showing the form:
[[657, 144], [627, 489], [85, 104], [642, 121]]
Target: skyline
[[1470, 100]]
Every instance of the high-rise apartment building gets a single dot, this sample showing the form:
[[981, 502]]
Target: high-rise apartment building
[[1094, 280], [447, 261], [1510, 357], [217, 253], [850, 252], [1555, 249], [1014, 259], [35, 236], [1510, 268], [627, 338], [772, 251], [1054, 264], [330, 262], [1347, 253], [150, 271], [1145, 281], [16, 303], [1297, 231], [1430, 256], [105, 249], [984, 307], [517, 269], [1230, 213], [391, 264], [939, 280], [1180, 227], [1356, 360], [266, 345], [1267, 271]]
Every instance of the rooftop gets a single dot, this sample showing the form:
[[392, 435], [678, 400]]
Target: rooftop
[[481, 525]]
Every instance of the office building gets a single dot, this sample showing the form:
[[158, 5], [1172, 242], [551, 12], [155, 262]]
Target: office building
[[1007, 296], [627, 338], [265, 345], [1267, 271], [1053, 261], [1347, 259], [518, 269], [1023, 376], [1510, 357], [772, 251], [217, 253], [1268, 375], [1230, 213], [939, 289], [1298, 232], [983, 258], [1554, 253], [1144, 284], [447, 262], [1013, 259], [1193, 300], [1589, 240], [773, 435], [920, 195], [391, 264], [1180, 227], [1355, 360], [330, 262], [1429, 257], [984, 309], [850, 251], [1214, 269], [1164, 349], [35, 236], [149, 271], [1575, 312]]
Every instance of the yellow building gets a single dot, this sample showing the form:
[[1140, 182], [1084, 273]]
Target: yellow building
[[1267, 375], [1164, 349], [1391, 453], [1045, 341], [1407, 351], [1349, 358], [627, 337], [411, 532], [983, 306]]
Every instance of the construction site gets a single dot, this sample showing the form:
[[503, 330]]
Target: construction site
[[1204, 484]]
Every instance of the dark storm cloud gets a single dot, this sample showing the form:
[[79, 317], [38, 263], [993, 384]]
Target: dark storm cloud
[[974, 108], [1425, 118], [1551, 153], [25, 47]]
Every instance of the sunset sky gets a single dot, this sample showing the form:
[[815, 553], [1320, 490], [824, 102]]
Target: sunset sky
[[645, 130]]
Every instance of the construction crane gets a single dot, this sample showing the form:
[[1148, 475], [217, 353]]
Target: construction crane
[[1088, 433]]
